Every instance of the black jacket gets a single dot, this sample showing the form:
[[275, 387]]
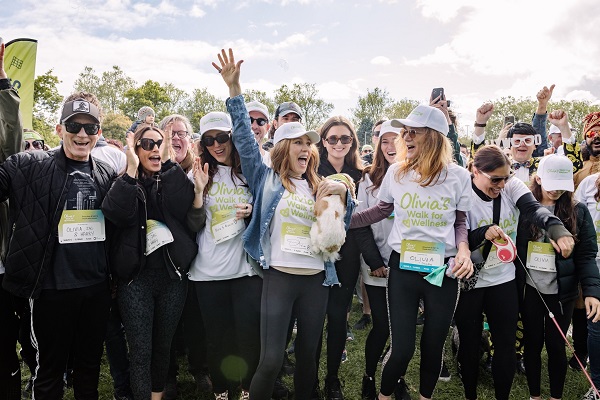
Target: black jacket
[[125, 206], [36, 185], [579, 267]]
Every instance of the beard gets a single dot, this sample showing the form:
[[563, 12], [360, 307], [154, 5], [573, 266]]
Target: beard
[[594, 153]]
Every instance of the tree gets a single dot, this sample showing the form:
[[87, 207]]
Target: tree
[[115, 125], [401, 108], [372, 106], [151, 94], [258, 95], [364, 131], [113, 86], [47, 102], [201, 103], [178, 99], [88, 81], [315, 110]]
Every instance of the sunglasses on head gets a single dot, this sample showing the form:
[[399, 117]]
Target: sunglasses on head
[[148, 144], [37, 144], [516, 142], [75, 128], [209, 141], [259, 121], [497, 179], [345, 139], [592, 134]]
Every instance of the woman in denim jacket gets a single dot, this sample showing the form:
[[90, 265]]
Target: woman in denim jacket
[[283, 212]]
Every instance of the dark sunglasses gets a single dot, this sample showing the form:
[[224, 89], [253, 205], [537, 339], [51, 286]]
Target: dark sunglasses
[[208, 141], [592, 134], [148, 144], [412, 132], [259, 121], [75, 127], [37, 144], [345, 139], [497, 179]]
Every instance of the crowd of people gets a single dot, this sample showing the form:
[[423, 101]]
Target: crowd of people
[[203, 241]]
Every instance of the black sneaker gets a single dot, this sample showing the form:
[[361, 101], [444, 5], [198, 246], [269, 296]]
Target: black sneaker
[[368, 389], [573, 364], [333, 389], [363, 322], [444, 373], [401, 391], [280, 391]]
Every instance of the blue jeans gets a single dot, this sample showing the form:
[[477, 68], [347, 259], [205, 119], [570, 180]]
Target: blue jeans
[[594, 350]]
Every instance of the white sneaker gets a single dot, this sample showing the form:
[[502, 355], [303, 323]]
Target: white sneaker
[[591, 395]]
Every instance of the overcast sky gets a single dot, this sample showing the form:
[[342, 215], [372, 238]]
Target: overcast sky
[[477, 50]]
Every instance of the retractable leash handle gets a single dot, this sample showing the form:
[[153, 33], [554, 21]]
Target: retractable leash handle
[[551, 315], [505, 250]]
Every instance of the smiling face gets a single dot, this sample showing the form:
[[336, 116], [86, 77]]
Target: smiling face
[[150, 159], [484, 183], [338, 150], [387, 144], [259, 131], [299, 155], [220, 151], [180, 145], [522, 152], [415, 140], [78, 146]]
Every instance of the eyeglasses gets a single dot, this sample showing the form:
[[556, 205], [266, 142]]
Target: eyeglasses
[[148, 144], [180, 134], [345, 139], [37, 144], [209, 141], [497, 179], [75, 127], [376, 133], [412, 132], [516, 142], [259, 121], [592, 134], [367, 151]]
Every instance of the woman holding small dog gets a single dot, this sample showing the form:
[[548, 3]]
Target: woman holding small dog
[[278, 239], [552, 279], [429, 196], [498, 202]]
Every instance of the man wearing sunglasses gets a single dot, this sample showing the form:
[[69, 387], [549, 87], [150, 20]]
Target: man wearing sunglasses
[[259, 122], [591, 133], [57, 256]]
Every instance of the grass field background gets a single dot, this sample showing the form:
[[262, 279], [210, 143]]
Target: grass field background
[[352, 370]]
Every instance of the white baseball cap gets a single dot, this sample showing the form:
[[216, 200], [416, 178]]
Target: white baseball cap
[[554, 129], [215, 121], [259, 107], [424, 117], [292, 130], [556, 173], [387, 127]]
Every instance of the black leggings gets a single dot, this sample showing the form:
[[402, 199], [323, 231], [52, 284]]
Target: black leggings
[[380, 332], [150, 307], [282, 294], [500, 304], [10, 370], [540, 329], [405, 288], [231, 314]]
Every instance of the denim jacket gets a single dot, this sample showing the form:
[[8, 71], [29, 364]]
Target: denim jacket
[[267, 190]]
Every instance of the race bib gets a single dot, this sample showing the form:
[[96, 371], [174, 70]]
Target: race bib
[[541, 257], [224, 226], [492, 260], [295, 238], [416, 255], [157, 235], [79, 226]]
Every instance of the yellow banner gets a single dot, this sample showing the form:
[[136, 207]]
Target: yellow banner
[[19, 63]]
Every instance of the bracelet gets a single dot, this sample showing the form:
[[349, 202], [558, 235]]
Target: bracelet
[[478, 125]]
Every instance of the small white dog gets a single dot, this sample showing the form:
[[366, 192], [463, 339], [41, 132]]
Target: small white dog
[[328, 232]]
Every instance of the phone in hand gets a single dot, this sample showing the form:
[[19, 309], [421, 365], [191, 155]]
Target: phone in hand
[[509, 119], [437, 92]]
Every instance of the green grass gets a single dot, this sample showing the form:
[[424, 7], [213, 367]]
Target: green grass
[[351, 373]]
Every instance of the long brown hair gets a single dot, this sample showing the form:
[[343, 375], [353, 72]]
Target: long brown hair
[[213, 165], [378, 169], [564, 208], [435, 155], [280, 162], [352, 159]]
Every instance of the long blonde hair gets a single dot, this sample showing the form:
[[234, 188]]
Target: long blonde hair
[[435, 155], [280, 162]]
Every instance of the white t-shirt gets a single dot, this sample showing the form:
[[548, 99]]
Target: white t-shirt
[[112, 156], [426, 213], [221, 252], [496, 272], [381, 230], [585, 194], [290, 230]]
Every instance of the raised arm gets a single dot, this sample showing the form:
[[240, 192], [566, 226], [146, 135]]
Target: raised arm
[[11, 129]]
